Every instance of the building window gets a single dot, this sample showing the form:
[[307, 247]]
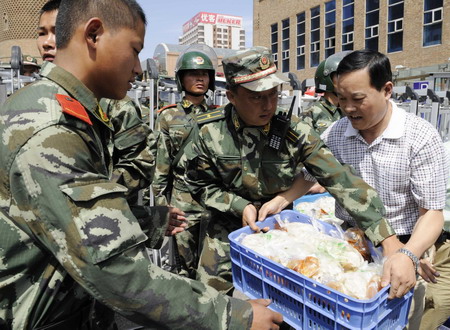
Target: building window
[[301, 28], [274, 42], [315, 37], [432, 22], [395, 25], [372, 23], [285, 45], [348, 24], [330, 28]]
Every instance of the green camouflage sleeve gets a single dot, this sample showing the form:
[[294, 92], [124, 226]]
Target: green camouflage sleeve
[[84, 221], [204, 181], [318, 118], [133, 159], [306, 117], [160, 183], [359, 199]]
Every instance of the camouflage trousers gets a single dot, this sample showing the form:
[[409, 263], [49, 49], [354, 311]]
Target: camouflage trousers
[[188, 241], [188, 254], [214, 267]]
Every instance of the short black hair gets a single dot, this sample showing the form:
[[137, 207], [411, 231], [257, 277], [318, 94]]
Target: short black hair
[[50, 6], [114, 13], [377, 64]]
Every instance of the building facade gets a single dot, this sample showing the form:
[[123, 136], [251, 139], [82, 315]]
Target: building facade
[[18, 27], [303, 33], [214, 30]]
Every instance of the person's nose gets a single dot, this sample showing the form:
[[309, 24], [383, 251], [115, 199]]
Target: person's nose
[[137, 67], [50, 42], [347, 106]]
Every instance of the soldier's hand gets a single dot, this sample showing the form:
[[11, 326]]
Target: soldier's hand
[[316, 189], [249, 217], [274, 206], [264, 318], [177, 221]]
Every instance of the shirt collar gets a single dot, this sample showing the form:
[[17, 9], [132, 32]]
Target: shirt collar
[[328, 105], [76, 89], [240, 125], [395, 128], [185, 103]]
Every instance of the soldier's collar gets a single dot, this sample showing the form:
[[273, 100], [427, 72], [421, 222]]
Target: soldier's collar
[[239, 124], [76, 89], [185, 103], [102, 116], [327, 104]]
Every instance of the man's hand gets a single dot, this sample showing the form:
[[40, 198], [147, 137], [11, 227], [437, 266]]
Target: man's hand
[[264, 318], [427, 271], [177, 221], [400, 272], [398, 269]]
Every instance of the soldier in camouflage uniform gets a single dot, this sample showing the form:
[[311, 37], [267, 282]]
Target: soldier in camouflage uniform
[[231, 169], [325, 111], [67, 233], [194, 74], [133, 157]]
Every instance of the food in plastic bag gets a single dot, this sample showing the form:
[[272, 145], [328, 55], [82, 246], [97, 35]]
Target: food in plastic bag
[[355, 236], [329, 260], [308, 266], [323, 209]]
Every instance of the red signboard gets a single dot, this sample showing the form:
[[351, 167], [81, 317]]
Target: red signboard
[[212, 18]]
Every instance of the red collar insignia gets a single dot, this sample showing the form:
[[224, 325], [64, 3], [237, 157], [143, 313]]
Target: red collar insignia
[[73, 107]]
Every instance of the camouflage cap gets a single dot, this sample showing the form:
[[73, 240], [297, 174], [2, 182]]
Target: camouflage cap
[[30, 60], [253, 69]]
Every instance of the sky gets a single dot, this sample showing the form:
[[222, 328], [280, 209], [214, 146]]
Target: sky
[[165, 19]]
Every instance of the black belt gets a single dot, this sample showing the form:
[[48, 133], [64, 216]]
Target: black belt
[[404, 238], [445, 235]]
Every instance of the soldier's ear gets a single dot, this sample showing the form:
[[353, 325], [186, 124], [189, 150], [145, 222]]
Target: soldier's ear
[[93, 30], [230, 96]]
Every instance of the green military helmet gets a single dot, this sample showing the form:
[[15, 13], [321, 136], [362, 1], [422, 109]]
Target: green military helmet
[[323, 77], [194, 60]]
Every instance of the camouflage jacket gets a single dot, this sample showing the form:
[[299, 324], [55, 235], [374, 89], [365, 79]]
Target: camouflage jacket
[[134, 146], [174, 125], [66, 230], [230, 165], [133, 159], [321, 114]]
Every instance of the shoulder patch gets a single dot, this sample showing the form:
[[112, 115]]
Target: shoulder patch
[[166, 107], [73, 107], [210, 116], [292, 135]]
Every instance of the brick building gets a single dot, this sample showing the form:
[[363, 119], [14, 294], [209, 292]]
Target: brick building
[[303, 33]]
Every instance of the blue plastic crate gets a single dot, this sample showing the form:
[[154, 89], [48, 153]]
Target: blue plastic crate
[[305, 303]]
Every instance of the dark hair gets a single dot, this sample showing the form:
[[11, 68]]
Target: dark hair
[[115, 14], [50, 5], [376, 63]]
